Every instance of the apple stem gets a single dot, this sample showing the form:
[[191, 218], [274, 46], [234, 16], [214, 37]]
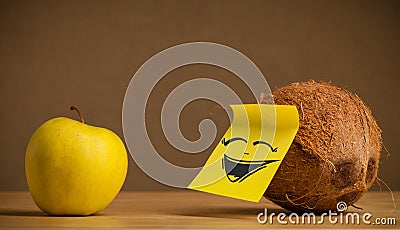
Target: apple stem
[[79, 113]]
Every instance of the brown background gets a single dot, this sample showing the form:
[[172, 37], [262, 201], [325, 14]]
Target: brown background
[[57, 53]]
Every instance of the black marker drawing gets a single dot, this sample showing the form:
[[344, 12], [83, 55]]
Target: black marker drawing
[[224, 142], [265, 143], [238, 170]]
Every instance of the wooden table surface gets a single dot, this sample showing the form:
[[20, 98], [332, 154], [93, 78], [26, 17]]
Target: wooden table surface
[[173, 210]]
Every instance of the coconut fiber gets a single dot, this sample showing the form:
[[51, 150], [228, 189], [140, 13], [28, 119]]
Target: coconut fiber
[[335, 154]]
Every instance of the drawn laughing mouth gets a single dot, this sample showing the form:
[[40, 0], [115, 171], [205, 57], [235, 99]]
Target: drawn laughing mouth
[[239, 170]]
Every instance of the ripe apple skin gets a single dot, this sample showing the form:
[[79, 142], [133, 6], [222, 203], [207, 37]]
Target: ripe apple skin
[[73, 168]]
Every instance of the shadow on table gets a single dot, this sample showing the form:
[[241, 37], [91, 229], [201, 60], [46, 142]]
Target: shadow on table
[[227, 212], [13, 212]]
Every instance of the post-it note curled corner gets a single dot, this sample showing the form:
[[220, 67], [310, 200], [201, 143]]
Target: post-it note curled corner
[[245, 160]]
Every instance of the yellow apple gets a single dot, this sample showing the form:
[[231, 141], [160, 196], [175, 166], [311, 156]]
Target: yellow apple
[[73, 168]]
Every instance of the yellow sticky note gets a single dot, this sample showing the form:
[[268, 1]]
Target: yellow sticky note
[[246, 159]]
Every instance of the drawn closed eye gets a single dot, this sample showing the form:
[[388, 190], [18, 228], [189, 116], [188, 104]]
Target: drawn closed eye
[[267, 144], [226, 142]]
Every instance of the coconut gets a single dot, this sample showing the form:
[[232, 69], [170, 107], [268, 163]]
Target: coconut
[[335, 154]]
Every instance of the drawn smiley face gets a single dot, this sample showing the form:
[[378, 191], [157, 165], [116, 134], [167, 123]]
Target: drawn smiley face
[[237, 170]]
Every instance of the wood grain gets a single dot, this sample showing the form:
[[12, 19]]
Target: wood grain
[[172, 210]]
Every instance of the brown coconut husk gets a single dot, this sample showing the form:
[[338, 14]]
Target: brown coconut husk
[[335, 154]]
